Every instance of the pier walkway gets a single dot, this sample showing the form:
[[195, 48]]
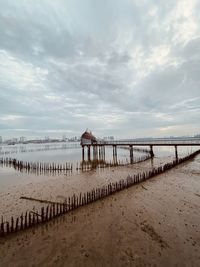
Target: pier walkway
[[99, 145]]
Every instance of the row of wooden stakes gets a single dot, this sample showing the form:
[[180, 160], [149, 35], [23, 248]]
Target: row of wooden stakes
[[36, 166], [43, 168], [53, 210]]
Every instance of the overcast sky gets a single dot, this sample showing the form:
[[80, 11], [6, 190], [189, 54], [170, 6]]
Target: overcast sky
[[126, 68]]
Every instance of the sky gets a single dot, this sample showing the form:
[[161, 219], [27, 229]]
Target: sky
[[127, 68]]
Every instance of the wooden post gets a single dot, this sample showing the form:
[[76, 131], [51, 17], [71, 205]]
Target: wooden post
[[25, 223], [115, 154], [50, 214], [42, 214], [69, 200], [151, 151], [7, 228], [85, 199], [176, 152], [61, 208], [33, 222], [12, 224], [47, 213], [57, 209], [29, 219], [21, 225], [80, 198], [89, 152], [16, 225], [2, 232], [104, 152], [83, 153], [131, 154], [53, 210]]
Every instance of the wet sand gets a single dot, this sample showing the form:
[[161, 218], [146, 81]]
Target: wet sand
[[57, 188], [156, 223]]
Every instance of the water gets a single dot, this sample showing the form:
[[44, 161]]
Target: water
[[56, 152], [59, 153], [48, 152]]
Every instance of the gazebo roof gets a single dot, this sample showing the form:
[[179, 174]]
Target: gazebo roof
[[88, 135]]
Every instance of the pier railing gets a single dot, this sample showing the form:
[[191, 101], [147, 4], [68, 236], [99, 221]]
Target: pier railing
[[155, 142]]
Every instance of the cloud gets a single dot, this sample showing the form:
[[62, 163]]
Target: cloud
[[124, 68]]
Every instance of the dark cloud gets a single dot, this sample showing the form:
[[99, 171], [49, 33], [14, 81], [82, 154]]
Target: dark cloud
[[126, 68]]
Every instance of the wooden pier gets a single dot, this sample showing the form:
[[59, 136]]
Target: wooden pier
[[99, 147]]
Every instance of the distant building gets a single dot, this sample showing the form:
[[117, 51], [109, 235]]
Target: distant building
[[88, 138], [74, 139], [1, 140], [22, 139], [108, 138], [46, 138], [12, 141]]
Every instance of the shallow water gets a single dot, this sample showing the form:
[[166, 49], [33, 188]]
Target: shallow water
[[62, 153], [59, 153]]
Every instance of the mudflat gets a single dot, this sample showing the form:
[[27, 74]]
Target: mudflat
[[156, 223]]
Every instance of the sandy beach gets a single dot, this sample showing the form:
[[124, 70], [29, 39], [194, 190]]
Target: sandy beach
[[152, 224]]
